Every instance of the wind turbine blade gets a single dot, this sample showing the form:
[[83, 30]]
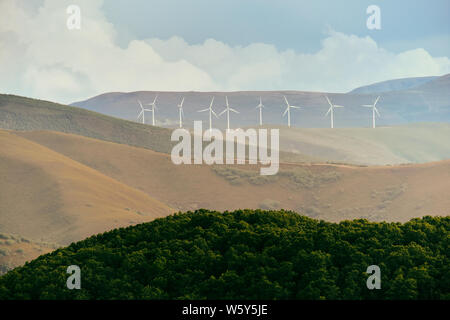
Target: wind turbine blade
[[376, 110], [286, 100], [329, 110], [284, 113], [260, 101], [156, 97], [140, 114], [222, 112], [231, 109], [226, 99], [329, 102], [212, 101], [140, 104], [378, 98], [182, 101], [203, 110], [367, 105], [212, 111], [295, 107], [337, 106]]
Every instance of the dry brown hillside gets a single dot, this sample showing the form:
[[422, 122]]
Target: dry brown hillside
[[330, 192], [56, 188], [46, 196]]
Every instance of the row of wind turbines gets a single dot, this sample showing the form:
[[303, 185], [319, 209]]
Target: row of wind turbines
[[260, 106]]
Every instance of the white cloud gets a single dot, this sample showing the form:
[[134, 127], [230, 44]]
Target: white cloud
[[40, 57]]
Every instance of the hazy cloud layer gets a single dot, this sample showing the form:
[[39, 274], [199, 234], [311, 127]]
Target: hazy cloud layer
[[40, 57]]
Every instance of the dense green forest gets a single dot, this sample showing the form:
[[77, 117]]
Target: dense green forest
[[246, 254]]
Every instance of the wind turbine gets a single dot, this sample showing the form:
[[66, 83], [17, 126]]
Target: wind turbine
[[211, 112], [142, 113], [260, 106], [153, 104], [227, 110], [180, 107], [332, 106], [374, 109], [288, 111]]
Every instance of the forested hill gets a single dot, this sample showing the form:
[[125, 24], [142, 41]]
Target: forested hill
[[246, 255]]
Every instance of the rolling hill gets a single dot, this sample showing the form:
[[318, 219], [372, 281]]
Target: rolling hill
[[45, 196], [423, 102], [20, 113], [325, 191], [414, 143]]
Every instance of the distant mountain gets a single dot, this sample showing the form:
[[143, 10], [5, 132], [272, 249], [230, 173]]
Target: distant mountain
[[426, 102], [392, 85]]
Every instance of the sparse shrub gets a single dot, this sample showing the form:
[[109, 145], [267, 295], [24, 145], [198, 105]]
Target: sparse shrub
[[9, 242]]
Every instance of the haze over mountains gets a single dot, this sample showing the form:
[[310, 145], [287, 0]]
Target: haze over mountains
[[402, 101]]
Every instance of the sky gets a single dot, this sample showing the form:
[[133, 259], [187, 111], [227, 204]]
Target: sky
[[215, 45]]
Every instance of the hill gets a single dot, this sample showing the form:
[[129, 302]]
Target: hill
[[15, 250], [245, 255], [325, 191], [25, 114], [393, 85], [20, 113], [414, 143], [47, 197], [426, 102]]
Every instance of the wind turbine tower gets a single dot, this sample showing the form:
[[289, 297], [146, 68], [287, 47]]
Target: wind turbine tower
[[260, 106], [288, 111], [227, 110], [330, 110], [211, 112], [180, 108], [374, 110]]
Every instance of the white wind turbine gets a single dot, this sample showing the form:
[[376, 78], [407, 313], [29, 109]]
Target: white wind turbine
[[374, 109], [153, 104], [332, 106], [142, 113], [288, 111], [180, 107], [211, 112], [260, 106], [227, 110]]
